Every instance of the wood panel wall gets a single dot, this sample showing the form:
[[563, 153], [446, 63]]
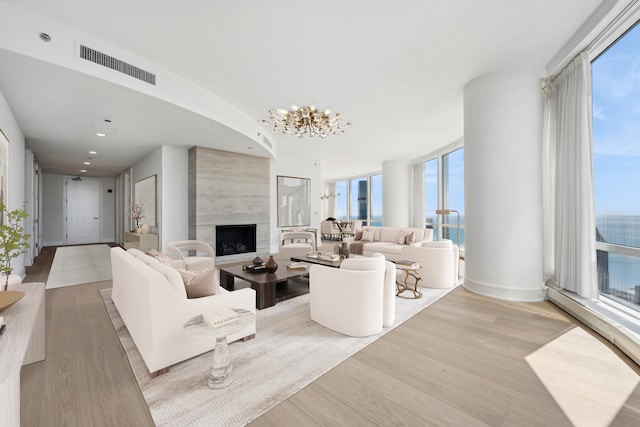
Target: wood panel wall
[[228, 188]]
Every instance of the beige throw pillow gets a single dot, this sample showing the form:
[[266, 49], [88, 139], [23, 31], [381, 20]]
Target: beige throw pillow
[[358, 235], [159, 256], [402, 235], [410, 238], [200, 283], [367, 235]]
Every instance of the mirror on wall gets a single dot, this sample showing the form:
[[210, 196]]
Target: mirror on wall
[[294, 201], [145, 195]]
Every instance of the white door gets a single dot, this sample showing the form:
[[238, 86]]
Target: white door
[[83, 211]]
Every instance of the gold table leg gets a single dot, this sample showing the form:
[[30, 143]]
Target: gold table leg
[[405, 286]]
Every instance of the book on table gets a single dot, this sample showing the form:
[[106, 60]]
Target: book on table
[[297, 266], [407, 263], [220, 316]]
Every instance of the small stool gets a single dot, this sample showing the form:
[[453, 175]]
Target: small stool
[[409, 270]]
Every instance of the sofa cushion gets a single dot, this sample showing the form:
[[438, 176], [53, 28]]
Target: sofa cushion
[[402, 236], [200, 283], [159, 256], [367, 236], [410, 238], [170, 273]]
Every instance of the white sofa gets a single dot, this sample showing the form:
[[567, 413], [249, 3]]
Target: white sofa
[[357, 299], [152, 301], [386, 241]]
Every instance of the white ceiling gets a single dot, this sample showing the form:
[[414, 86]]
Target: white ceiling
[[395, 69]]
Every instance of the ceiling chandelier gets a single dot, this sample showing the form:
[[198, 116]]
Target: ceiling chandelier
[[301, 121]]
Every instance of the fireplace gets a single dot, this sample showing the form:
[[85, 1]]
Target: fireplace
[[235, 239]]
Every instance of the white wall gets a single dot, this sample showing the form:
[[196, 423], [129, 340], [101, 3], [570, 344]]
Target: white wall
[[396, 187], [14, 134], [503, 185], [287, 165], [171, 167], [174, 198]]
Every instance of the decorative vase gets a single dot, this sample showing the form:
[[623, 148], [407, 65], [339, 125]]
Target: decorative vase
[[271, 265]]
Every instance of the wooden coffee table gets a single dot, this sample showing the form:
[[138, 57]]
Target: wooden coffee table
[[263, 283]]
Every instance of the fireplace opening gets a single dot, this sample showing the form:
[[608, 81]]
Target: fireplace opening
[[235, 239]]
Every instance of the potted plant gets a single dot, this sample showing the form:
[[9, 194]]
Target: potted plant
[[137, 213], [13, 241]]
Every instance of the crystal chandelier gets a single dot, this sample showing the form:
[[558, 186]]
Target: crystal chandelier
[[300, 121]]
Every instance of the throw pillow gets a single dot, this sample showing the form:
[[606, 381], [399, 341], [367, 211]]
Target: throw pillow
[[410, 238], [159, 256], [367, 235], [402, 235], [200, 283], [358, 235]]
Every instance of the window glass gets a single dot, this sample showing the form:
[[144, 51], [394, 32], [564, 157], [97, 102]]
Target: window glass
[[431, 195], [359, 198], [453, 164], [341, 200], [616, 165], [376, 199]]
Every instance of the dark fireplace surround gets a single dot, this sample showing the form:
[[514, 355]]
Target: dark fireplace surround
[[235, 239]]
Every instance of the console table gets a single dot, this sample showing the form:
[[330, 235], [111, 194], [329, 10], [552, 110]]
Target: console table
[[22, 343], [143, 242]]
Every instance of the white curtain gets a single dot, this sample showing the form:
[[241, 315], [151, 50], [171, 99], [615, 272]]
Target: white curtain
[[417, 218], [569, 218]]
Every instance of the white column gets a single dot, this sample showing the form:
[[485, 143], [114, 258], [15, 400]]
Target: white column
[[503, 185], [395, 193]]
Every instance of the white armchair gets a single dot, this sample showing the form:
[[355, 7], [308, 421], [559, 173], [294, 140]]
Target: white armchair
[[438, 261], [296, 244], [357, 299], [194, 254]]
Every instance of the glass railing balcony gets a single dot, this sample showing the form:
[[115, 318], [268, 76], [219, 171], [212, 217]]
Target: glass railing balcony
[[619, 273]]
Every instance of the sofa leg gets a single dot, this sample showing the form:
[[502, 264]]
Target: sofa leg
[[248, 337], [158, 372]]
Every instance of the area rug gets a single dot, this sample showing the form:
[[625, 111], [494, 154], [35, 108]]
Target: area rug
[[289, 352], [74, 265]]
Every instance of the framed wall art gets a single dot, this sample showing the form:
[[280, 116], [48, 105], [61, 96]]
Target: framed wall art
[[294, 201], [145, 194]]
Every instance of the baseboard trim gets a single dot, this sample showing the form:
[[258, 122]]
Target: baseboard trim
[[615, 333], [499, 292]]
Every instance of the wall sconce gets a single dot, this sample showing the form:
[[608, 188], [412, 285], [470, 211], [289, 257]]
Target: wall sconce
[[329, 196]]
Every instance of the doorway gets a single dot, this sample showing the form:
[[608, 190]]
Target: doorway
[[83, 211]]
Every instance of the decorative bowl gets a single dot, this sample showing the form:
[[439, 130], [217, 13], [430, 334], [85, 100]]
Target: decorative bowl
[[8, 298]]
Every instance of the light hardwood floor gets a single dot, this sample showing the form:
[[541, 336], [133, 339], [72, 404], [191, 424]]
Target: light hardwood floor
[[464, 361]]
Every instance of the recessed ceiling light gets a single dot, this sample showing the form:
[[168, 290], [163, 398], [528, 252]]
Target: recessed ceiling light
[[45, 37], [83, 170], [101, 134], [107, 120], [93, 152], [86, 163]]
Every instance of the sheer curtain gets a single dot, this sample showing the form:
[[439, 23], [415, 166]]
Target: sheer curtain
[[417, 217], [569, 218]]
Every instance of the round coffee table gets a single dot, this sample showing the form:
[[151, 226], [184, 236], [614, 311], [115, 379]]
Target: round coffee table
[[220, 372]]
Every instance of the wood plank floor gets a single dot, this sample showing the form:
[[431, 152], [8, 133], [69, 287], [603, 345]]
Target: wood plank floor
[[461, 362]]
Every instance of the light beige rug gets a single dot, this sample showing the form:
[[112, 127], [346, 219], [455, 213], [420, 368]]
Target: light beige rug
[[74, 265], [289, 352]]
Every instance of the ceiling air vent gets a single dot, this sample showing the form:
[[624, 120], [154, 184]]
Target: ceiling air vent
[[267, 142], [116, 64]]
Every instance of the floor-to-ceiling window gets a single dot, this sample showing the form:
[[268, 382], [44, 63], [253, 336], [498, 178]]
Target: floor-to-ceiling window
[[360, 198], [616, 168], [444, 191], [431, 195]]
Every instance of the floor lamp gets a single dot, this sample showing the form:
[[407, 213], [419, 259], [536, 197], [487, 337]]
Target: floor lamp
[[447, 212]]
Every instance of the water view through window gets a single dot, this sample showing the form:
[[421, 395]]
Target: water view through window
[[616, 166]]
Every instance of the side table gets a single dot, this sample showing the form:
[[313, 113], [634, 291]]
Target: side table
[[220, 373], [409, 271]]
